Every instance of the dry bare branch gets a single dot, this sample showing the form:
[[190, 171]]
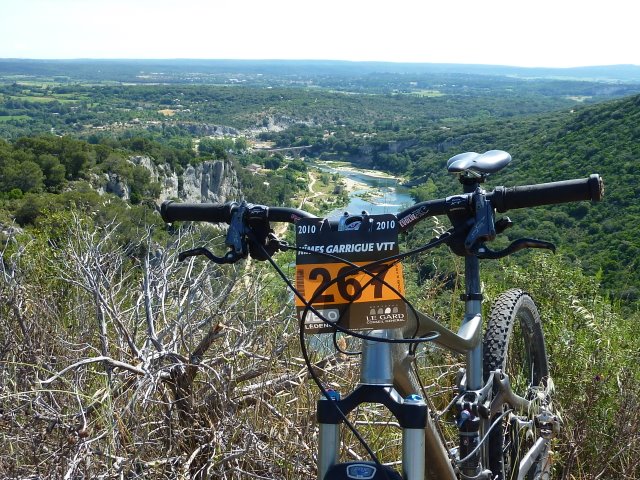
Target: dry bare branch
[[110, 361]]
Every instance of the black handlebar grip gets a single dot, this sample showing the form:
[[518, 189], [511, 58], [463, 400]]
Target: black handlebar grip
[[566, 191], [196, 212]]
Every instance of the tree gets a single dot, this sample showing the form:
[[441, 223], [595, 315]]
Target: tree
[[241, 144], [53, 171], [273, 162], [218, 148], [26, 176], [139, 183], [139, 144], [426, 191], [75, 163], [102, 152]]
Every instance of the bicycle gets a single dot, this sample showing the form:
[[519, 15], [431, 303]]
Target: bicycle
[[352, 266]]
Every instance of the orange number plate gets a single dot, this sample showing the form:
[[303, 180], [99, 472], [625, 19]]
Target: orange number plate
[[368, 298]]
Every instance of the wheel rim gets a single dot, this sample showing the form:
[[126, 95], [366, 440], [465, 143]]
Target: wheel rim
[[524, 376]]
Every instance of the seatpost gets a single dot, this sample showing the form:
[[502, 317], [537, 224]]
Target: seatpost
[[473, 307], [471, 428], [473, 302]]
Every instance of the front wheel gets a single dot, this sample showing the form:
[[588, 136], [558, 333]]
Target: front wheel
[[514, 343]]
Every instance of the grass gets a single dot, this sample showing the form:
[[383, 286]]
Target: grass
[[62, 98], [7, 118]]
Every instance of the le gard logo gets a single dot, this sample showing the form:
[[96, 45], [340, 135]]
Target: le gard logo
[[385, 314]]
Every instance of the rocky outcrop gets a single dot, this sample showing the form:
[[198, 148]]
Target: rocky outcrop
[[398, 146], [205, 129], [278, 123], [214, 181], [116, 185], [211, 181], [163, 174]]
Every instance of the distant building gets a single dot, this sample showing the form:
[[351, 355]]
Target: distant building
[[254, 168]]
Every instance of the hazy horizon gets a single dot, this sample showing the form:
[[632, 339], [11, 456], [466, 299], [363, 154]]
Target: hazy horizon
[[303, 60], [541, 34]]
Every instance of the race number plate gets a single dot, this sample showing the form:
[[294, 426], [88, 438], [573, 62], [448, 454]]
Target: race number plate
[[338, 291]]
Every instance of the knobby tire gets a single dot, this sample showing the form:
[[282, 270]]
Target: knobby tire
[[514, 343]]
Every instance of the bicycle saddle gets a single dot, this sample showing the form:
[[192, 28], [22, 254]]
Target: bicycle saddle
[[479, 163]]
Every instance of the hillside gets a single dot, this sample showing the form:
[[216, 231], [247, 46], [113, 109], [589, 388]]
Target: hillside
[[571, 143], [603, 139], [403, 118], [600, 139], [202, 71]]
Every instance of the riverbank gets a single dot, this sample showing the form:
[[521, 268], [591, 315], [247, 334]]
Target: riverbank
[[355, 178], [351, 185], [370, 190], [335, 187], [348, 167]]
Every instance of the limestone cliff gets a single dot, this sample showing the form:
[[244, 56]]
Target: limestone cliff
[[214, 181], [210, 181]]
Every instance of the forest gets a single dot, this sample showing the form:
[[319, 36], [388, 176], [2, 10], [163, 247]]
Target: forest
[[118, 360]]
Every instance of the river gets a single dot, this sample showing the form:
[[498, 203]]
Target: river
[[375, 193]]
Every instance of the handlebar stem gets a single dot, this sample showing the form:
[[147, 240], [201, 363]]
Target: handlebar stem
[[483, 229]]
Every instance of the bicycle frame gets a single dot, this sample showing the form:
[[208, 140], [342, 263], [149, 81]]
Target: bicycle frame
[[385, 374], [382, 365]]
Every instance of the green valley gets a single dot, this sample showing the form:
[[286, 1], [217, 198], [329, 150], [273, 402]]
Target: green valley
[[554, 129]]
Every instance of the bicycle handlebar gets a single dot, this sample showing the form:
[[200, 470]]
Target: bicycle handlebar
[[222, 212], [502, 199], [566, 191], [196, 212]]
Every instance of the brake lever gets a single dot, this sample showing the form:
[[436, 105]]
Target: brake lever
[[236, 235], [229, 257], [483, 252]]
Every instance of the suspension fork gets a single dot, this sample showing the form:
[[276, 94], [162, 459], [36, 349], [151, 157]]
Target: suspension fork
[[375, 386]]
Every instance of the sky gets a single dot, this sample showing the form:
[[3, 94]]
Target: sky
[[530, 33]]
